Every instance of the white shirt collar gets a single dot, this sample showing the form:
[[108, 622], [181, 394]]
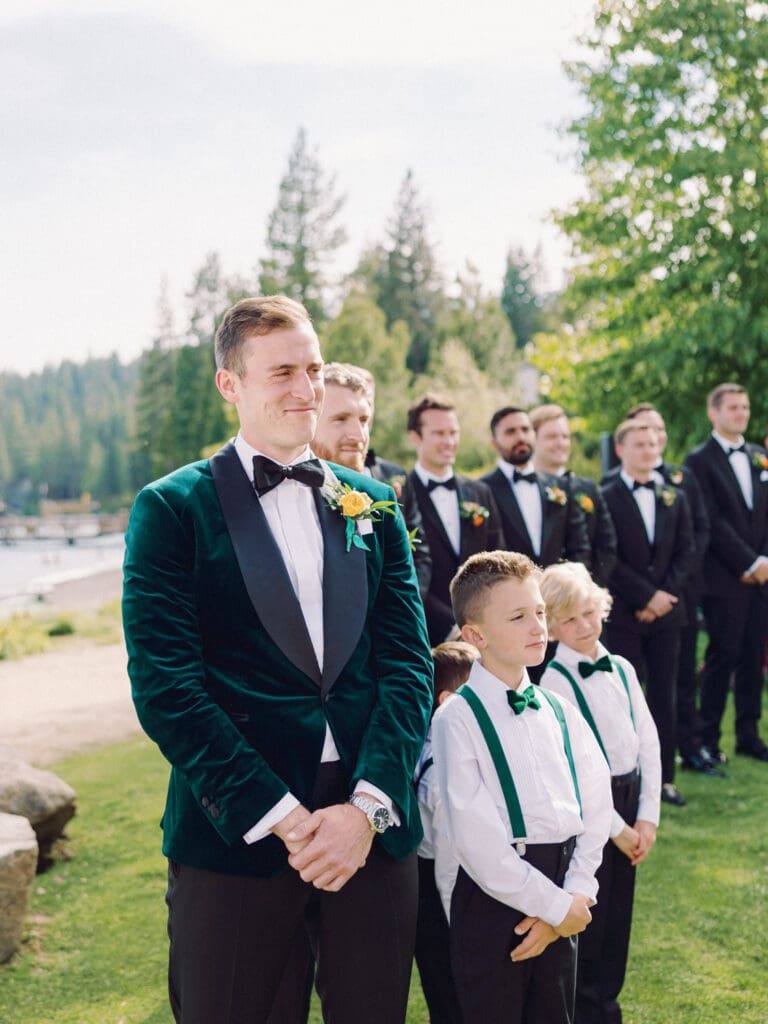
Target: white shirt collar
[[490, 685], [425, 476], [727, 445], [630, 480], [571, 658]]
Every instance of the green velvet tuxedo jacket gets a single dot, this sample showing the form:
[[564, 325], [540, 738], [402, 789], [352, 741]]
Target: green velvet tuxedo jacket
[[224, 676]]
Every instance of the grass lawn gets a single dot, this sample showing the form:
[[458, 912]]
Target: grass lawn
[[94, 951]]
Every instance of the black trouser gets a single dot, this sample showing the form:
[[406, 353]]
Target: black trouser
[[491, 988], [688, 725], [433, 957], [231, 938], [737, 627], [655, 656], [604, 946]]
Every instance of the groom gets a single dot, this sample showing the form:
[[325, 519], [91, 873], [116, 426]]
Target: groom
[[281, 665]]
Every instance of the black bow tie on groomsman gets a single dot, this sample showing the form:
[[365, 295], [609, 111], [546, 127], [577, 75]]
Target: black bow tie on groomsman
[[648, 483], [268, 474], [529, 478], [737, 448], [587, 668], [449, 484]]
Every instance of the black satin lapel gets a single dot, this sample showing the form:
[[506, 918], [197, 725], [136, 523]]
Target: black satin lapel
[[549, 510], [507, 502], [733, 481], [345, 592], [636, 517], [258, 556], [430, 514]]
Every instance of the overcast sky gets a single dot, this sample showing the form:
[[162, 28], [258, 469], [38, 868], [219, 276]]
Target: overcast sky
[[136, 137]]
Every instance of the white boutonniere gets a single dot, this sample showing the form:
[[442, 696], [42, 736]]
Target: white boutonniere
[[556, 495], [359, 509], [764, 476]]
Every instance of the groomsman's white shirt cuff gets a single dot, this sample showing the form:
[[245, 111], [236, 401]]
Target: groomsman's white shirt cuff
[[283, 808]]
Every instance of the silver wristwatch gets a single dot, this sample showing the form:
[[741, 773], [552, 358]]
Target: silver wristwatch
[[377, 814]]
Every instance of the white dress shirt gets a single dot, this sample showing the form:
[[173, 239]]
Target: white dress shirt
[[628, 746], [477, 824], [292, 518], [645, 499], [528, 497], [446, 504]]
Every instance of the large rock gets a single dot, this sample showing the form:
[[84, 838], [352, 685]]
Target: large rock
[[45, 800], [18, 864]]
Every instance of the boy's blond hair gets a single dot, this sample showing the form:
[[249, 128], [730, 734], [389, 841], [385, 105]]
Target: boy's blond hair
[[472, 584], [568, 585]]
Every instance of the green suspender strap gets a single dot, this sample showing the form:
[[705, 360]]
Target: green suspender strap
[[623, 677], [560, 716], [496, 750], [581, 700]]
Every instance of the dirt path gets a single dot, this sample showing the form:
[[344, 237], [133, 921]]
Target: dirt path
[[58, 703]]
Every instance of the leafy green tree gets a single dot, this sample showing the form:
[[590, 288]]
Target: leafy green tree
[[670, 289], [359, 335], [302, 232], [404, 277], [476, 319], [521, 297]]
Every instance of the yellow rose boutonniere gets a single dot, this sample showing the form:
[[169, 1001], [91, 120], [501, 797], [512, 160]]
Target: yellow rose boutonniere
[[556, 495], [667, 496], [759, 460], [585, 503], [477, 514], [356, 507]]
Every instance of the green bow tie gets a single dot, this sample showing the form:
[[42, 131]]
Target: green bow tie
[[604, 664], [519, 701]]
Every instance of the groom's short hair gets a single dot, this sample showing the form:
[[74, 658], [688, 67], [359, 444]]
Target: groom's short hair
[[425, 404], [260, 315]]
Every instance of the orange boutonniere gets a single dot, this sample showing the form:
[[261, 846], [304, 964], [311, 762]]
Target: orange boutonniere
[[556, 495], [396, 483], [357, 507], [676, 477], [477, 514], [759, 460], [667, 495], [585, 503]]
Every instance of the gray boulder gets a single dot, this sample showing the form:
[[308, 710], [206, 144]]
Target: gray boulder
[[45, 800], [18, 864]]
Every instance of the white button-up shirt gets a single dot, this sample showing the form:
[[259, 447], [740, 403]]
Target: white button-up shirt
[[528, 497], [477, 824], [628, 746], [446, 504]]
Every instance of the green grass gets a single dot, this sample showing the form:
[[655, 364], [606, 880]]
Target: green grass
[[94, 951], [27, 633]]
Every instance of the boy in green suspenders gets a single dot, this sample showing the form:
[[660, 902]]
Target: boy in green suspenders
[[525, 794], [606, 691]]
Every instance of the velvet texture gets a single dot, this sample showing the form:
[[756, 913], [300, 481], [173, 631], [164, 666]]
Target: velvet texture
[[239, 713]]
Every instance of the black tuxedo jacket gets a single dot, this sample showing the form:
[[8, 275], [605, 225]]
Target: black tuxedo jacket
[[394, 475], [684, 478], [643, 568], [737, 534], [563, 532], [602, 536], [485, 536]]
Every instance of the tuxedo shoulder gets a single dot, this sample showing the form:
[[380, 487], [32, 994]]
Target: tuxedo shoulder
[[583, 483], [700, 451], [182, 480], [390, 469], [492, 477]]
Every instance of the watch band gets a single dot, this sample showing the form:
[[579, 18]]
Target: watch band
[[377, 814]]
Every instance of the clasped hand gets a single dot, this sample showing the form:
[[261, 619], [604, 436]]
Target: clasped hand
[[327, 846]]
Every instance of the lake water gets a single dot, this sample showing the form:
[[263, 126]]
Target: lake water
[[34, 566]]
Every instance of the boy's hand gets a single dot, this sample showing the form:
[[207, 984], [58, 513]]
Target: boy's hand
[[646, 837], [540, 935], [627, 841], [577, 918]]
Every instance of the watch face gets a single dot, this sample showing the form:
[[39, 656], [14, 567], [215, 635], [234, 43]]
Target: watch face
[[380, 819]]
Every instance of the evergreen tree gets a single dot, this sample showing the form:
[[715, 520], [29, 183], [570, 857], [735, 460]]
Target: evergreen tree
[[404, 276], [302, 233], [152, 456], [521, 298], [476, 319]]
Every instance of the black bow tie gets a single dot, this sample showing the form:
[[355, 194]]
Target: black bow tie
[[648, 483], [449, 484], [529, 478], [740, 448], [586, 668], [268, 474]]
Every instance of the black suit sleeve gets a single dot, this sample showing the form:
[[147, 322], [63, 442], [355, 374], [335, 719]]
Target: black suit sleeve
[[577, 546], [683, 559], [724, 539], [495, 538], [422, 559], [604, 543]]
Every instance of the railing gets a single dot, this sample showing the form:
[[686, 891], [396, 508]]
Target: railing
[[69, 527]]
